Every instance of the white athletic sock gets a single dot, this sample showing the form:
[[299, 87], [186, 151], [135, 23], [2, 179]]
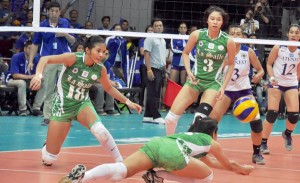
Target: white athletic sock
[[171, 121], [112, 172], [168, 176], [106, 140]]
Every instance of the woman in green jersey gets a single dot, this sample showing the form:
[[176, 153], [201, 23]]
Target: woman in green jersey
[[71, 102], [212, 45], [183, 157]]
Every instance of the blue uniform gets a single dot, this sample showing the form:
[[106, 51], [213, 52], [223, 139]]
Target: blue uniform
[[18, 65], [50, 44]]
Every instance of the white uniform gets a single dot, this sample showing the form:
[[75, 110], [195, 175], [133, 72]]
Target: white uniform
[[240, 76], [285, 67]]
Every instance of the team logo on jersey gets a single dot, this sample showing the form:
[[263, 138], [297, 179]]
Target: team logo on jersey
[[292, 55], [211, 45], [75, 70], [94, 77], [209, 55], [243, 55], [221, 47], [200, 43], [85, 74]]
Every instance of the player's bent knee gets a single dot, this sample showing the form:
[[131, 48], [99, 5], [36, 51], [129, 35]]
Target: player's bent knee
[[272, 116], [256, 126], [48, 158], [293, 117], [204, 109], [120, 172], [100, 132]]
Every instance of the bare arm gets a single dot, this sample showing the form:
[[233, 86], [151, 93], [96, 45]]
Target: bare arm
[[230, 62], [187, 50], [257, 66], [33, 51], [112, 91], [71, 39], [222, 162], [67, 59]]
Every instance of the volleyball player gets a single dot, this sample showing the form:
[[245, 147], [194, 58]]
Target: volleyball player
[[212, 45], [283, 69], [80, 71], [240, 86], [183, 157]]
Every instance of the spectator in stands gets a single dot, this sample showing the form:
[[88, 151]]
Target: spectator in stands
[[24, 37], [178, 72], [105, 23], [6, 17], [117, 59], [155, 58], [52, 44], [249, 24], [29, 15], [19, 76], [83, 37], [22, 15], [192, 28], [264, 16], [124, 25], [289, 12], [143, 68]]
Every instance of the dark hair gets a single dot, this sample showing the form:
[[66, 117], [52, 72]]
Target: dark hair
[[114, 26], [91, 41], [293, 25], [155, 20], [27, 43], [235, 26], [53, 4], [76, 45], [73, 10], [105, 17], [205, 125], [213, 8], [148, 26]]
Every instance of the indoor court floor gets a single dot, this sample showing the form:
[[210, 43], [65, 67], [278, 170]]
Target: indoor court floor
[[23, 137]]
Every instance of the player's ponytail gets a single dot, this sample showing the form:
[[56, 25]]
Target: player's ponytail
[[204, 125]]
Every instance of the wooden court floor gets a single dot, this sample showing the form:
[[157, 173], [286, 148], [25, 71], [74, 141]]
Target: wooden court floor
[[23, 137]]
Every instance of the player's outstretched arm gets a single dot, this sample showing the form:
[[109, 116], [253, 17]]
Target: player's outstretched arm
[[220, 161]]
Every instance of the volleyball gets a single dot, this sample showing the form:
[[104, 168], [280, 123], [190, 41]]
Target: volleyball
[[245, 109]]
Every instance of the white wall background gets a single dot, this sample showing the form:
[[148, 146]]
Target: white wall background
[[137, 12]]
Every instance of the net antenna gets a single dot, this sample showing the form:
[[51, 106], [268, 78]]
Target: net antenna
[[88, 16]]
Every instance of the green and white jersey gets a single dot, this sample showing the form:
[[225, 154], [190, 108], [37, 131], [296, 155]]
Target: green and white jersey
[[74, 81], [193, 144], [210, 55]]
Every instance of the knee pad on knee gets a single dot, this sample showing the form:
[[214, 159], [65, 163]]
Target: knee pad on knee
[[256, 126], [204, 109], [293, 117], [100, 132], [47, 158], [272, 116], [120, 172]]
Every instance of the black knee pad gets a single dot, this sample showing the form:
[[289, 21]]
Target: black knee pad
[[256, 126], [205, 108], [293, 117], [271, 116]]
